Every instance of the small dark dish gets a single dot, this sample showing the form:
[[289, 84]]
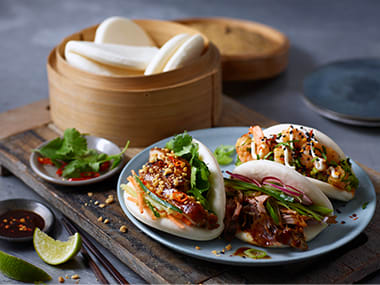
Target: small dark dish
[[22, 205], [48, 172], [346, 91]]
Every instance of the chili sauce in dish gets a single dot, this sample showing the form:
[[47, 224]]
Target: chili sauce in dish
[[20, 223]]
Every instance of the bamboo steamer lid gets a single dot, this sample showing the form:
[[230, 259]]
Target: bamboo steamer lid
[[250, 50], [142, 109]]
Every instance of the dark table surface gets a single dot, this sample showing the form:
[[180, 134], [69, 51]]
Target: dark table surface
[[319, 32]]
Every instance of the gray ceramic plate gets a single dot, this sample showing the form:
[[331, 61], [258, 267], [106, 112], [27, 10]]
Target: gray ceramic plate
[[346, 91], [30, 205], [48, 172], [331, 238]]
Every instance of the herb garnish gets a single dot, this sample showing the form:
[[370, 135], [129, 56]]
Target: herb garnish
[[72, 153], [182, 145], [223, 154]]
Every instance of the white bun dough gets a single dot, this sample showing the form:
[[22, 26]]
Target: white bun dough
[[191, 49], [122, 31], [92, 66], [165, 53], [122, 56]]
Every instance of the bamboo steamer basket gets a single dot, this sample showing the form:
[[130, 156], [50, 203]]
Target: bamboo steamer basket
[[251, 63], [142, 109]]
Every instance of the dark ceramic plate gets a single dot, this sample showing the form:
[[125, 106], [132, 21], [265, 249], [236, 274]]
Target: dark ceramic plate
[[347, 91]]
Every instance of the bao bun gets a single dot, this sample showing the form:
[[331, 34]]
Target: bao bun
[[216, 198], [258, 169], [330, 190]]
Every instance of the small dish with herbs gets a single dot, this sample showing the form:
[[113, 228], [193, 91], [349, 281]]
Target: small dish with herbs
[[77, 159]]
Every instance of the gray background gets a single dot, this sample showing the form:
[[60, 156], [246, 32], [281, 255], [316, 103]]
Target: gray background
[[319, 32]]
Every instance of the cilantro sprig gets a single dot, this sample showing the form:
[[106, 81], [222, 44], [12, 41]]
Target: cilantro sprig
[[71, 152], [182, 145], [224, 153]]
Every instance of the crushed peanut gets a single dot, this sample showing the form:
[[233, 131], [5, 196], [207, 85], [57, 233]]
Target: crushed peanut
[[75, 276], [61, 279], [106, 221], [102, 205], [110, 199], [197, 248], [100, 219], [90, 194], [123, 229], [228, 247], [96, 202], [67, 276]]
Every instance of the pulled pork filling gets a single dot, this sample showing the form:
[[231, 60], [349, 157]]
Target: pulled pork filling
[[247, 212], [168, 176]]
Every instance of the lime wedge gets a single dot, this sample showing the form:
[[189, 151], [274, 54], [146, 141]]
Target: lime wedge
[[18, 269], [53, 251]]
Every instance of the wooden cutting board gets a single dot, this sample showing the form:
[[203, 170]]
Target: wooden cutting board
[[29, 126]]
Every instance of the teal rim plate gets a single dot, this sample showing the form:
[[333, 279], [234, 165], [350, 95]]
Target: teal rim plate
[[331, 238], [347, 91]]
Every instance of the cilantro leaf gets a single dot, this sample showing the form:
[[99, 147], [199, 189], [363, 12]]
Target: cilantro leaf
[[74, 144], [223, 154], [50, 150], [72, 151], [178, 143], [183, 146]]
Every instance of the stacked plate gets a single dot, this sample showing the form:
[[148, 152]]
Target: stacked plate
[[346, 91]]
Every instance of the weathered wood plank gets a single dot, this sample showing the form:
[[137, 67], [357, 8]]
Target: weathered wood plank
[[24, 118], [154, 262]]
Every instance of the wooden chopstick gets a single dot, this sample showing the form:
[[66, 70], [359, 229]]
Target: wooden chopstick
[[94, 267], [101, 258]]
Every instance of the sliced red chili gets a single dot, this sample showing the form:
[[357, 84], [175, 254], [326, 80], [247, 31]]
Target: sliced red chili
[[104, 166], [180, 197], [79, 178], [60, 170], [176, 162], [90, 174], [45, 160]]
